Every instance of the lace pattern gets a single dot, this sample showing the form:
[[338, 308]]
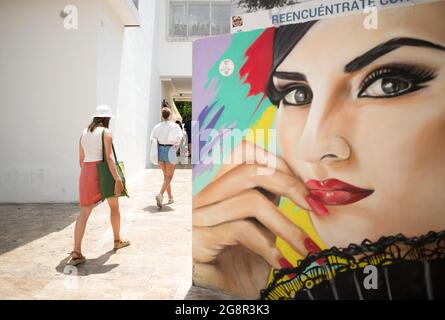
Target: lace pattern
[[320, 275]]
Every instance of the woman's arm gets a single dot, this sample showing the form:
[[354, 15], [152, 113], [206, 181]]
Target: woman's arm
[[153, 133], [81, 153], [178, 136], [108, 140]]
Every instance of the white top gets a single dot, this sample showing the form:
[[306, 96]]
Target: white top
[[167, 132], [92, 144]]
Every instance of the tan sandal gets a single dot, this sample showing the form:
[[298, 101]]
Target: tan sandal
[[76, 261], [159, 200], [119, 244]]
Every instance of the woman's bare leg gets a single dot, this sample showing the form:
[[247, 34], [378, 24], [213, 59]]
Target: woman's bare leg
[[166, 184], [169, 171], [115, 217], [79, 229], [162, 165]]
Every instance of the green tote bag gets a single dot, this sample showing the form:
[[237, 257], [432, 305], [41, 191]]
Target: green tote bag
[[106, 180]]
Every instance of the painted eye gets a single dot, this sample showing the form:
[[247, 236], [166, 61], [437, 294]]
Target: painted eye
[[395, 80], [386, 87], [300, 95]]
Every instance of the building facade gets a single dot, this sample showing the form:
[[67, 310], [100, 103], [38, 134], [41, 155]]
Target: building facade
[[60, 59]]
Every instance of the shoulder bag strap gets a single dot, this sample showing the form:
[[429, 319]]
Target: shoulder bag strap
[[103, 148]]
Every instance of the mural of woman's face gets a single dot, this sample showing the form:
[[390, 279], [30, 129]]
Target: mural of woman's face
[[362, 122]]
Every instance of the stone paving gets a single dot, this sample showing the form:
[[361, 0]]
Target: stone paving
[[35, 240]]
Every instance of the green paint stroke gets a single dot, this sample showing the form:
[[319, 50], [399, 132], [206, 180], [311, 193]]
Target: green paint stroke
[[232, 94]]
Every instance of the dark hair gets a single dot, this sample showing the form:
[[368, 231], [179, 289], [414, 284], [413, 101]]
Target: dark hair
[[165, 113], [99, 122], [165, 104], [285, 39], [179, 123]]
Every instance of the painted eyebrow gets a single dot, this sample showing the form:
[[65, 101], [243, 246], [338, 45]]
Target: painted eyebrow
[[386, 47], [297, 76]]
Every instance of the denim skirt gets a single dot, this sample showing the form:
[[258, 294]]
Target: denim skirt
[[167, 154]]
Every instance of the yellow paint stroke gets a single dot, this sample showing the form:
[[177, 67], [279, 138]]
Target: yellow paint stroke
[[259, 133], [298, 216]]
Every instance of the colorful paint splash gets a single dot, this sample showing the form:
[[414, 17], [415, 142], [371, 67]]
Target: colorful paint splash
[[237, 101]]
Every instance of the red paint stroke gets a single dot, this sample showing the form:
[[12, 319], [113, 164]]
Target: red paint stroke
[[258, 64], [285, 264]]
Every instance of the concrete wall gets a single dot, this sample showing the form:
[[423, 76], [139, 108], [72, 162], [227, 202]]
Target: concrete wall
[[110, 39], [47, 92], [155, 83], [176, 56], [52, 79], [167, 91], [139, 92], [175, 59]]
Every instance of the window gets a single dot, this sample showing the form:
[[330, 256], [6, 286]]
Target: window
[[178, 20], [199, 19], [190, 20], [221, 18]]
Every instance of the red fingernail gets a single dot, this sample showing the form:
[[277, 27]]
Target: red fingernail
[[317, 206], [311, 246], [285, 264]]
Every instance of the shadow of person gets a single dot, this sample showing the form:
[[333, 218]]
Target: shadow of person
[[155, 209], [89, 267], [21, 224]]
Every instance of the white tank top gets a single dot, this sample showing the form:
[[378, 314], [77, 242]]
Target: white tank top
[[92, 144]]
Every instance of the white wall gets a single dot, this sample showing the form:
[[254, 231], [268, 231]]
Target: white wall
[[110, 39], [167, 91], [139, 92], [47, 91], [175, 59], [176, 56], [155, 83], [52, 79]]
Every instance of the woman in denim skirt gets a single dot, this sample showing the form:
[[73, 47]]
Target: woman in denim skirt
[[168, 136]]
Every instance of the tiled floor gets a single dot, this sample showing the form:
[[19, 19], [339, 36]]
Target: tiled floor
[[35, 241]]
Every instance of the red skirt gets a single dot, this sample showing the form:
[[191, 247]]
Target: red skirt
[[89, 190]]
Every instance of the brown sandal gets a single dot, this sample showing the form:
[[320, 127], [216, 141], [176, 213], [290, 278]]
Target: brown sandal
[[119, 244], [76, 261]]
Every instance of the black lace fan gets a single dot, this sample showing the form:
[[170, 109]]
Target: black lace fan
[[404, 268]]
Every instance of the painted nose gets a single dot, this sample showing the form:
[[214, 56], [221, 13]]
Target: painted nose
[[326, 150]]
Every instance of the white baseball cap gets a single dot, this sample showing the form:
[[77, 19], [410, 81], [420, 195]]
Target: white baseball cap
[[103, 111]]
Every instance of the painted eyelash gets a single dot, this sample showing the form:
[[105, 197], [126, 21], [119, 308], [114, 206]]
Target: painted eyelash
[[415, 74], [280, 94]]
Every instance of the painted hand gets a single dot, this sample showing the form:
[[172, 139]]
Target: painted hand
[[236, 221]]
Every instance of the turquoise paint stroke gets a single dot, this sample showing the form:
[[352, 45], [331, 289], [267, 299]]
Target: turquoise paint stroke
[[232, 94]]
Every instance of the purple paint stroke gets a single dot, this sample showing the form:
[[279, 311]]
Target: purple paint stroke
[[204, 134], [204, 58], [206, 53], [222, 133]]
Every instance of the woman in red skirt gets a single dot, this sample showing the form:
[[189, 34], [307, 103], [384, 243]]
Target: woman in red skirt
[[90, 153]]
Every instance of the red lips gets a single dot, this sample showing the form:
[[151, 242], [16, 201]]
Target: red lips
[[334, 192]]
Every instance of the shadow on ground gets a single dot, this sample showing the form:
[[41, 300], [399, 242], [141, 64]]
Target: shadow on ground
[[23, 223], [155, 209], [89, 267]]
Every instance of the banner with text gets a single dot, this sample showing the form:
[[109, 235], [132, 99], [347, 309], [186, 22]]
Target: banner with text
[[247, 16]]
